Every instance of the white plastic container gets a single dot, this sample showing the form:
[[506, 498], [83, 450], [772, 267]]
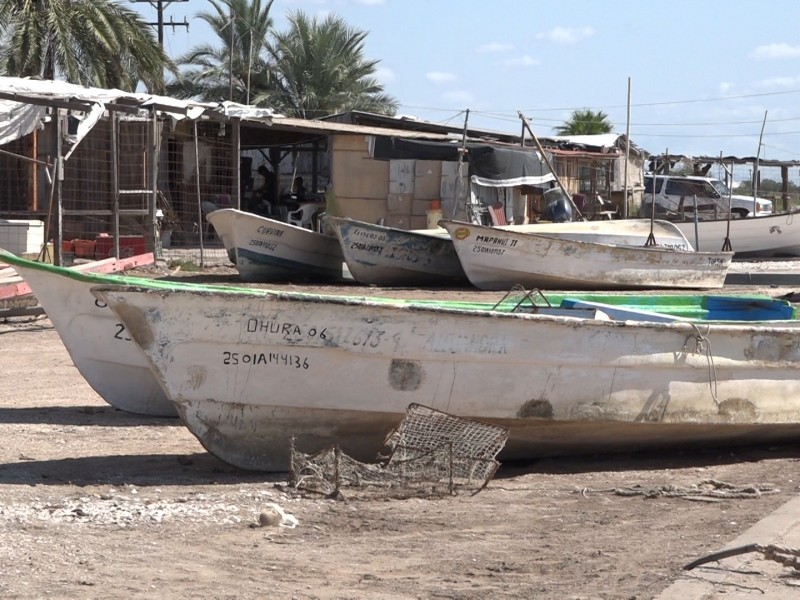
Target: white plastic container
[[21, 237]]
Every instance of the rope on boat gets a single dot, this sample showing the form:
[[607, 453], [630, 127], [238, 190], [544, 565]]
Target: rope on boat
[[702, 345]]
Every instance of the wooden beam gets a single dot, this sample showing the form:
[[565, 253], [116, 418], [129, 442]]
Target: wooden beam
[[14, 288]]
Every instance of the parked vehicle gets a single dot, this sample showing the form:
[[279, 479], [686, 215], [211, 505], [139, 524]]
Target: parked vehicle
[[677, 193]]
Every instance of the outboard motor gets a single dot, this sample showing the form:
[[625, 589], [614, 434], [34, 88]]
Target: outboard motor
[[557, 207]]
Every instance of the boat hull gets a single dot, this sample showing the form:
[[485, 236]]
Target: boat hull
[[249, 373], [265, 250], [499, 259], [624, 232], [768, 236], [257, 438], [98, 344], [385, 256]]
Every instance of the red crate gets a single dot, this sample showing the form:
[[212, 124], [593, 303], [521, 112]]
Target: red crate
[[129, 245], [83, 248]]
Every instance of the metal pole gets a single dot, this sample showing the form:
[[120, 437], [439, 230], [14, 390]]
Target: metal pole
[[154, 147], [627, 152], [197, 185], [462, 153], [59, 179], [230, 60], [115, 179], [755, 172], [550, 166]]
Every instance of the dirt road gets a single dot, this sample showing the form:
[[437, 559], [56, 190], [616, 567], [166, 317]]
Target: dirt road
[[96, 503]]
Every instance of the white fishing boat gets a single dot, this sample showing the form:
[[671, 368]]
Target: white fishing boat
[[387, 256], [497, 259], [98, 344], [767, 236], [266, 250], [251, 370]]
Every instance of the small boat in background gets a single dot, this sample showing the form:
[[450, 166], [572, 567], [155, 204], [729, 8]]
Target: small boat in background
[[497, 259], [766, 236], [387, 256], [265, 250]]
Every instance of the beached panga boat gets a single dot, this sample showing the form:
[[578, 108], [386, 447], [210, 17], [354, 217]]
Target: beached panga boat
[[387, 256], [95, 339], [265, 250], [249, 370], [765, 236], [497, 259]]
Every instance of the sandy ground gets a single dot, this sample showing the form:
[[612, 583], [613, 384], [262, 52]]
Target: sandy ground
[[97, 503]]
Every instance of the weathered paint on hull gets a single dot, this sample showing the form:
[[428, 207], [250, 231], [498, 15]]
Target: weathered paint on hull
[[240, 359], [385, 256], [98, 344], [257, 438], [774, 235], [266, 250], [499, 259]]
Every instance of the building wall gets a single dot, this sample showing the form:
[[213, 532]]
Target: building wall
[[399, 192]]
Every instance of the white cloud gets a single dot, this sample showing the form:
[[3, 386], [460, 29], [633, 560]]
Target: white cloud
[[522, 61], [459, 98], [384, 75], [776, 51], [725, 88], [440, 77], [778, 82], [495, 47], [566, 35]]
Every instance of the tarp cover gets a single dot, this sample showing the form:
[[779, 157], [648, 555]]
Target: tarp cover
[[19, 116], [490, 166]]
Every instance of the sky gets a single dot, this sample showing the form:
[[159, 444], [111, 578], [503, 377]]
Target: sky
[[704, 76]]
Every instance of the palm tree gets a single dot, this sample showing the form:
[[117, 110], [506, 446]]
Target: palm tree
[[245, 49], [585, 122], [89, 42], [320, 70]]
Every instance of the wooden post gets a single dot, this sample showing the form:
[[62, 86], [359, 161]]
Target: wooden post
[[33, 181], [784, 187], [199, 198], [236, 160], [115, 179]]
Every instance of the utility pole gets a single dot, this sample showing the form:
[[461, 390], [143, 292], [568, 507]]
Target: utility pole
[[160, 5]]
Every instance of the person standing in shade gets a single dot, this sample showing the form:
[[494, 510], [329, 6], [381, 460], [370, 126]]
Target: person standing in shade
[[299, 190]]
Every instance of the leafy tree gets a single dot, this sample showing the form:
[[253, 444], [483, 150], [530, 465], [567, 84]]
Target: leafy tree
[[244, 54], [320, 69], [90, 42], [585, 122]]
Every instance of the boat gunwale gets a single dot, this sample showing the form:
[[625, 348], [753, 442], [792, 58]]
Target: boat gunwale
[[695, 328]]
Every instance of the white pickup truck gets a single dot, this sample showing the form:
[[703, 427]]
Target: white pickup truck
[[677, 193]]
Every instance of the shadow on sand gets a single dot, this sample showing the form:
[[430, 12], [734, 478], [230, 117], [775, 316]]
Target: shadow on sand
[[140, 470], [90, 415], [648, 461]]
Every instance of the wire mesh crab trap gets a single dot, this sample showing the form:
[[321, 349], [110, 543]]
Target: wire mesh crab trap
[[430, 453]]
